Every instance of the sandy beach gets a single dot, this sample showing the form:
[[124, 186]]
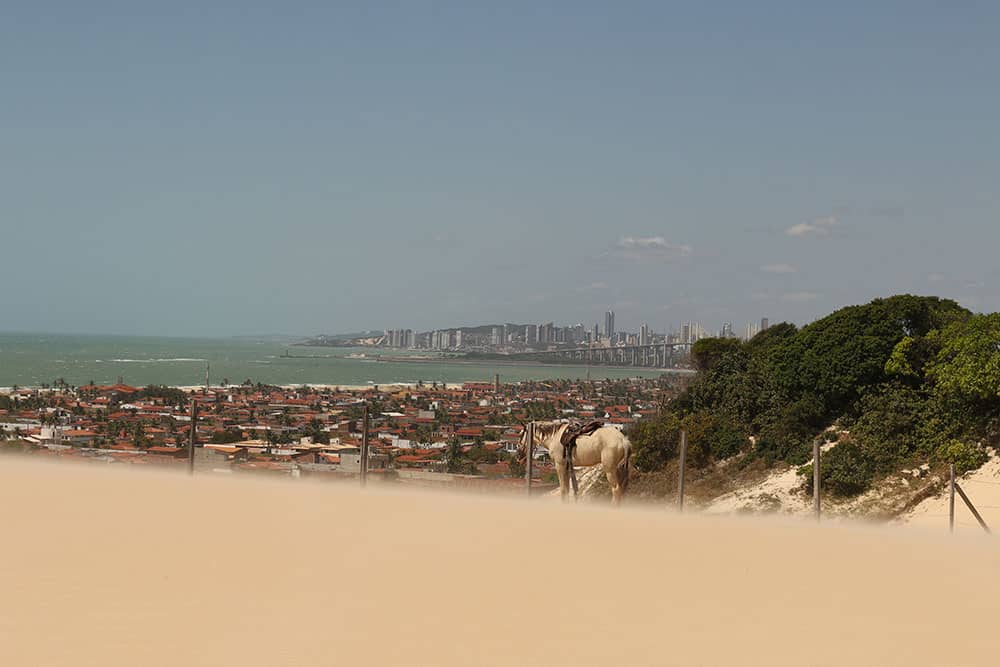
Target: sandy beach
[[119, 567]]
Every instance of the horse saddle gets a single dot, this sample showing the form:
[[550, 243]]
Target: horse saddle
[[576, 429]]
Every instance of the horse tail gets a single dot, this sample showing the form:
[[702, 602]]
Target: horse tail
[[623, 467]]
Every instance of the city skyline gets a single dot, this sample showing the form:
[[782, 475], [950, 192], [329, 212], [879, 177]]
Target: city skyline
[[533, 335]]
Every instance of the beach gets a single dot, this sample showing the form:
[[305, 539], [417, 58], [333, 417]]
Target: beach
[[121, 567]]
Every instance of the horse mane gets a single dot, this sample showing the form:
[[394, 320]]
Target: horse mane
[[544, 430]]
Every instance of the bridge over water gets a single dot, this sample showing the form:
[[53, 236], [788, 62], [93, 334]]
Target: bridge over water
[[660, 355]]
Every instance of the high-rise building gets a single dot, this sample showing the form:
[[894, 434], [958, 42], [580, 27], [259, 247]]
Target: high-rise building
[[686, 333], [764, 324], [458, 338], [546, 333], [399, 338], [596, 335], [496, 337], [644, 335], [727, 330], [609, 325], [531, 334]]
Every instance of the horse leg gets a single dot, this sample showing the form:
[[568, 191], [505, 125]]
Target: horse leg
[[563, 482], [616, 489]]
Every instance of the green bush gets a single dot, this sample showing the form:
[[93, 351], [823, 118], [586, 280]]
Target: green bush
[[843, 471], [963, 455], [772, 450], [787, 436], [655, 441], [725, 438], [888, 427]]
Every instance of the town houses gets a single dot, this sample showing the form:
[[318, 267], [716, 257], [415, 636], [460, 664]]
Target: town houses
[[415, 431]]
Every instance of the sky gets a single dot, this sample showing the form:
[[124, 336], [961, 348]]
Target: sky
[[222, 168]]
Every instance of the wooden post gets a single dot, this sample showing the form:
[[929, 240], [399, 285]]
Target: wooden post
[[363, 465], [951, 498], [529, 449], [972, 508], [816, 477], [194, 429], [680, 472]]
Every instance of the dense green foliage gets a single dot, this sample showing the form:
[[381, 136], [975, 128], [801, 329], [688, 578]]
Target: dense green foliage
[[907, 377], [171, 395]]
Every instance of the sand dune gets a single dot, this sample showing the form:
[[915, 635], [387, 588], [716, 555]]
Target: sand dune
[[983, 488], [120, 567]]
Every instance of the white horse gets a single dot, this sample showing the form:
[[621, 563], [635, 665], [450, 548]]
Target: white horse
[[607, 447]]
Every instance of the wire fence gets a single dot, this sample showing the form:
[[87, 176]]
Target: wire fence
[[980, 481]]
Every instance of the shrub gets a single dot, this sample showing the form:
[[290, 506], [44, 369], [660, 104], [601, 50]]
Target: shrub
[[963, 455], [787, 435], [655, 441], [844, 471], [887, 430], [725, 438]]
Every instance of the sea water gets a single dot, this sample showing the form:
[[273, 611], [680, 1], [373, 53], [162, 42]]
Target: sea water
[[31, 360]]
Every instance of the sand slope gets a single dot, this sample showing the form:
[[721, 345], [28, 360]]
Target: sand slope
[[983, 488], [121, 567]]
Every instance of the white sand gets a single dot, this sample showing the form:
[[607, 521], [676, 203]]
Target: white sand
[[120, 567], [777, 492], [983, 488]]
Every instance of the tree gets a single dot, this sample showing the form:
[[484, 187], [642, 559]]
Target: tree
[[656, 441], [968, 364], [707, 352], [456, 461], [226, 437]]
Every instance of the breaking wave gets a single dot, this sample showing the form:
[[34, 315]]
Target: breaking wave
[[153, 361]]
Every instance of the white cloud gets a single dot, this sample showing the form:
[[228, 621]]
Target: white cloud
[[779, 268], [651, 247], [818, 227]]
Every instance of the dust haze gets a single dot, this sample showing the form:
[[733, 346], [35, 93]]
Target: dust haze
[[111, 567]]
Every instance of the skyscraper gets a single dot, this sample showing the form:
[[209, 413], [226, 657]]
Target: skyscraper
[[530, 334], [609, 325], [764, 324]]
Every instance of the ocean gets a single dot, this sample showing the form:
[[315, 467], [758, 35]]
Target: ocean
[[30, 360]]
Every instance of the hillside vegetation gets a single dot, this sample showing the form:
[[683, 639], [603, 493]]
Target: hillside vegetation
[[900, 381]]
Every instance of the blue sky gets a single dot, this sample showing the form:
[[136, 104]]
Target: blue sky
[[223, 168]]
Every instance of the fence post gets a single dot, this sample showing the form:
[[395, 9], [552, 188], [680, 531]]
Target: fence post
[[194, 428], [816, 477], [972, 508], [363, 464], [680, 472], [529, 449], [951, 498]]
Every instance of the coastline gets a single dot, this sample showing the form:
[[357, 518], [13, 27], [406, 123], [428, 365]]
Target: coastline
[[494, 362], [389, 386]]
